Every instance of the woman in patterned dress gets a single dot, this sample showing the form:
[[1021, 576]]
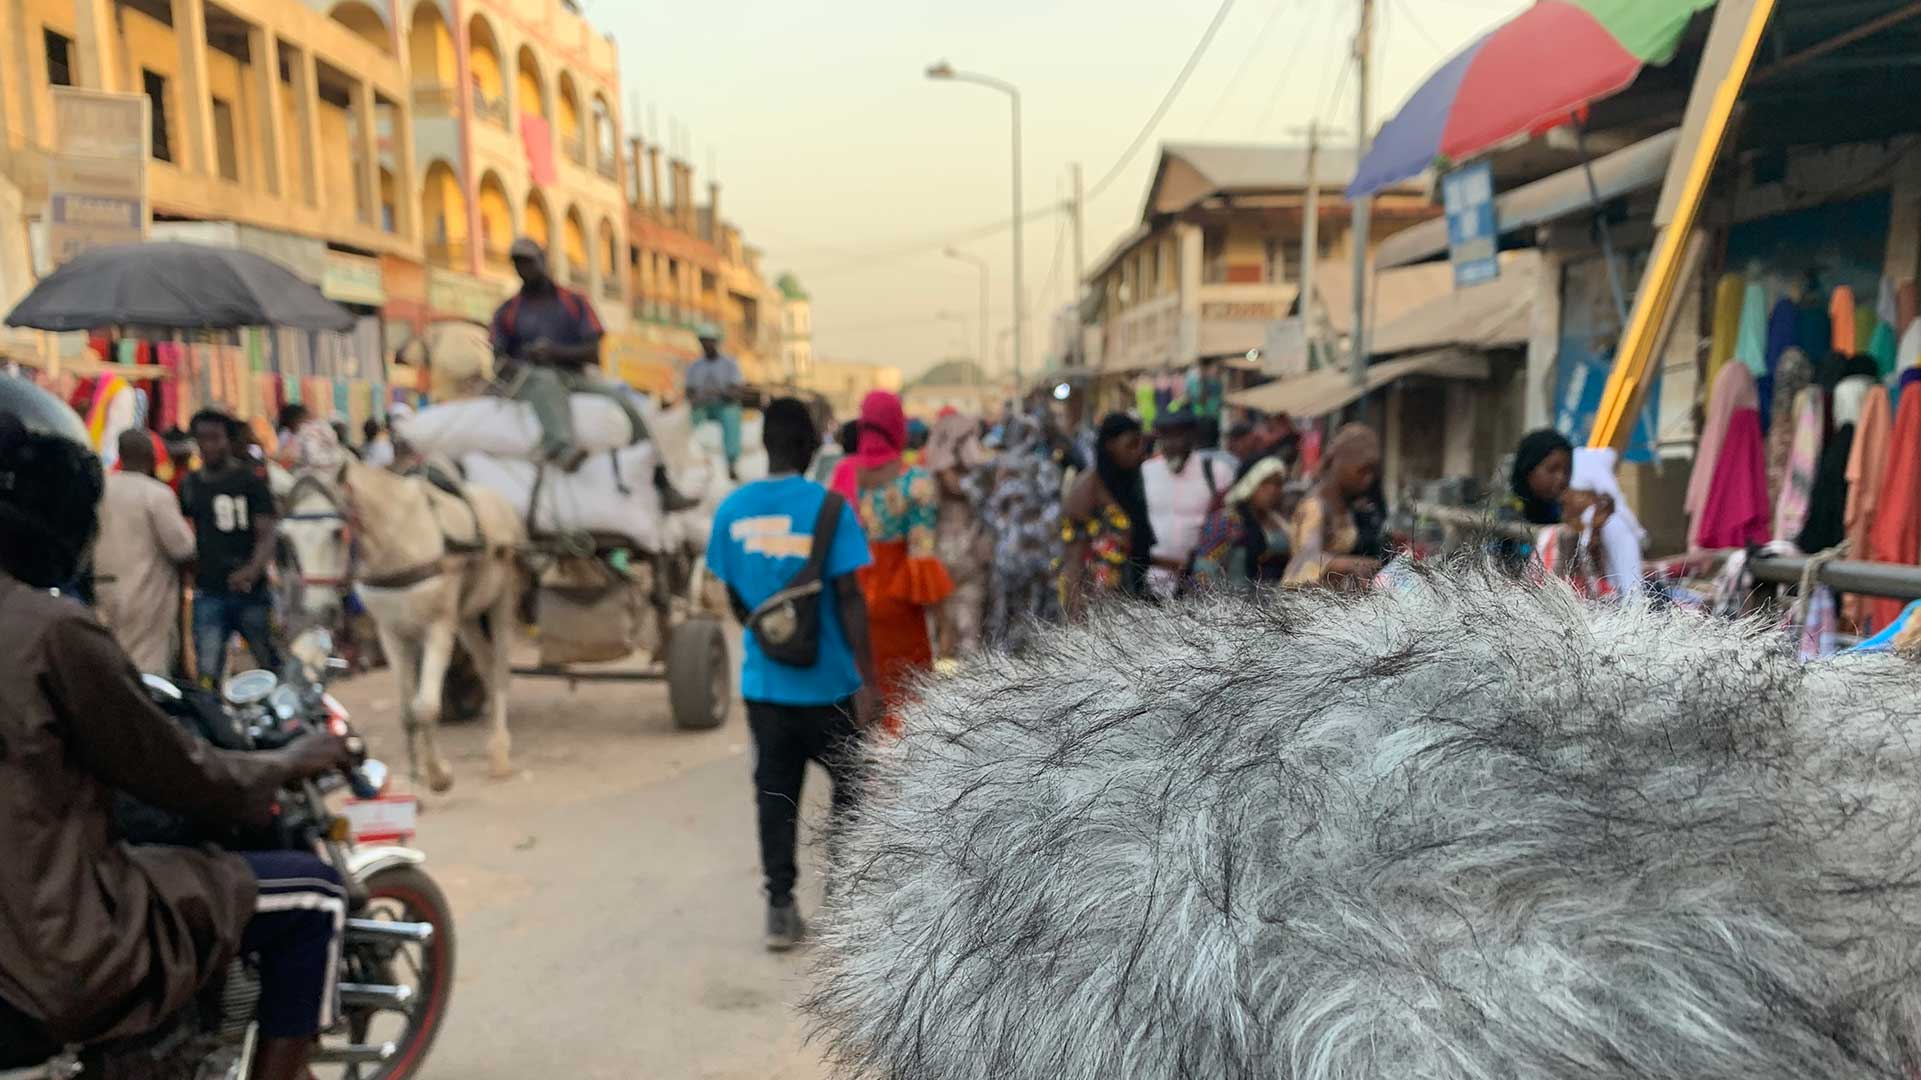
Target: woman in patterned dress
[[954, 455], [1019, 497], [899, 507], [1104, 524]]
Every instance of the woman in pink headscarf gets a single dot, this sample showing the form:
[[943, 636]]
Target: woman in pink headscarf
[[899, 507]]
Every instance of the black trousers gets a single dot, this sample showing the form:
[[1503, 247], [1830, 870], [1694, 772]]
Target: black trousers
[[786, 738]]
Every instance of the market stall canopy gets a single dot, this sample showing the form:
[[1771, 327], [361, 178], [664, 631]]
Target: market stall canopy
[[1495, 315], [176, 286], [1321, 392], [1531, 74]]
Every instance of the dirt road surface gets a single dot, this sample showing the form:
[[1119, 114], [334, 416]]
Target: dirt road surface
[[607, 898]]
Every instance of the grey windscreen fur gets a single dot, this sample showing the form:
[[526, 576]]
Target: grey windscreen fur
[[1464, 830]]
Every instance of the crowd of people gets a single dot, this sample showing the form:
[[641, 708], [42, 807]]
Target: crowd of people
[[975, 533]]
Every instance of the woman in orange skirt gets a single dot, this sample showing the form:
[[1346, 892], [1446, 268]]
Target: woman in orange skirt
[[899, 507]]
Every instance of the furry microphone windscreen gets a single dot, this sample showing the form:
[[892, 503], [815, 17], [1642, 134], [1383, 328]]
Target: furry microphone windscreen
[[1464, 830]]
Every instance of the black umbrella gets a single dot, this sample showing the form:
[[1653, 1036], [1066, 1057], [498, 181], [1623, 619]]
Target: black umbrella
[[177, 287]]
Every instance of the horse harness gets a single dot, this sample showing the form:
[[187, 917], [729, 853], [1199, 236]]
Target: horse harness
[[413, 575]]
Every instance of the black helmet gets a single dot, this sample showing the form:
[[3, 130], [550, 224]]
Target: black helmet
[[50, 486]]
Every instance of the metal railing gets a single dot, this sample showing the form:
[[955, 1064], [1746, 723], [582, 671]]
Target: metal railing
[[576, 148], [607, 166], [434, 99]]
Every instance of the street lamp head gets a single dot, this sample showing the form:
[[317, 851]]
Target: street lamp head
[[940, 69]]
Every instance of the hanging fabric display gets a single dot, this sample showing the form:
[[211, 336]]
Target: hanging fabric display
[[1736, 512], [1864, 320], [1827, 509], [1792, 374], [1729, 297], [1841, 318], [1733, 391], [1751, 343], [1804, 457], [1895, 534]]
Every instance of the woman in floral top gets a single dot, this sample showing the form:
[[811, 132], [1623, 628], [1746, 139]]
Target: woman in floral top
[[1245, 544], [899, 507], [1104, 524]]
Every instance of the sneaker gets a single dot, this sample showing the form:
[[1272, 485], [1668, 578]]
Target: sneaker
[[785, 928]]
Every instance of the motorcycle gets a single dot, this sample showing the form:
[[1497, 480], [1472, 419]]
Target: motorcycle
[[397, 949]]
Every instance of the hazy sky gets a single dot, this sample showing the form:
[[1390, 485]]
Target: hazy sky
[[847, 166]]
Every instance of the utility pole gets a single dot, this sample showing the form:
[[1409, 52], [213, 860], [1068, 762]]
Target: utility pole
[[1311, 241], [1079, 208], [1364, 206]]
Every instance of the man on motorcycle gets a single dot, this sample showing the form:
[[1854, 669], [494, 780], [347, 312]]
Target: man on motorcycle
[[98, 940]]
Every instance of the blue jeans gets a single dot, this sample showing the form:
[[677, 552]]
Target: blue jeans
[[217, 617]]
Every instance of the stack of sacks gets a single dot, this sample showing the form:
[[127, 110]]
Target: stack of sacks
[[610, 494], [697, 461], [508, 429], [497, 443]]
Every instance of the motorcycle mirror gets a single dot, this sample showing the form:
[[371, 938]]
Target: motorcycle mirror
[[161, 687], [249, 687]]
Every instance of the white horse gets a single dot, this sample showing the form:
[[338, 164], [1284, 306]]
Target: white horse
[[314, 525], [431, 567]]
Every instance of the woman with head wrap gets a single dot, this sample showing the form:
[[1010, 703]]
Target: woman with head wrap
[[961, 540], [1019, 497], [1245, 543], [1537, 482], [899, 509], [1105, 528], [1324, 533]]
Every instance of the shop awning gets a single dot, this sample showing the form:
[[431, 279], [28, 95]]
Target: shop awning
[[1624, 172], [1321, 392], [1495, 315]]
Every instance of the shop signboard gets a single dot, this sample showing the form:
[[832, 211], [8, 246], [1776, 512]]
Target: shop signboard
[[1473, 242], [353, 279], [96, 175], [461, 296]]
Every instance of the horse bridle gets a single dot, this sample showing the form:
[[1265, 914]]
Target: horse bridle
[[337, 511]]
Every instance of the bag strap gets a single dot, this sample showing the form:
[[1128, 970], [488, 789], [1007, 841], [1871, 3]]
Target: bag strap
[[825, 525]]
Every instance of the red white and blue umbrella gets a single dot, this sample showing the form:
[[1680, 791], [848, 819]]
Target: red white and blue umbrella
[[1533, 73]]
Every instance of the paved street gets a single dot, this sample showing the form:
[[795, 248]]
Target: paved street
[[607, 897]]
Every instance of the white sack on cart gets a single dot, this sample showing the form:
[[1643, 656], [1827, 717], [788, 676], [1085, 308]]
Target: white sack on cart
[[611, 493], [508, 429]]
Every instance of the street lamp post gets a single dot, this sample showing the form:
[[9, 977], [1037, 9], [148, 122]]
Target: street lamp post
[[981, 265], [944, 70]]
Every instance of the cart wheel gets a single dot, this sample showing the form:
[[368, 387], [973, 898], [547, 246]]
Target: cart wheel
[[700, 685]]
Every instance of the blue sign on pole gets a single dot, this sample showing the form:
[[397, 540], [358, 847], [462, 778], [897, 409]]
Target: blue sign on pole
[[1473, 239]]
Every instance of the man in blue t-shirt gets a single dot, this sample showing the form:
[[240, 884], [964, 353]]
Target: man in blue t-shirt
[[762, 537]]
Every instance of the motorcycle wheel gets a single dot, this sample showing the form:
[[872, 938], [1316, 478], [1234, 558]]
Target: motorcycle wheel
[[402, 894]]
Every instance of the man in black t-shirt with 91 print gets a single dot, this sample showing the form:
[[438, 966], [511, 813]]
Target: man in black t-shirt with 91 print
[[233, 520]]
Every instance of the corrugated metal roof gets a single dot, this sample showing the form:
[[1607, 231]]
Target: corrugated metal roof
[[1493, 315], [1254, 166], [1321, 392]]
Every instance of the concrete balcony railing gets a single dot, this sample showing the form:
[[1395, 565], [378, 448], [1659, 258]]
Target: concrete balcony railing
[[607, 167], [576, 148], [610, 287], [578, 278], [447, 254], [496, 260], [493, 110], [434, 100]]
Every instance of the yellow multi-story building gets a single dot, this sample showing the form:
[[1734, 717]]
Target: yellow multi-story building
[[519, 133], [273, 115]]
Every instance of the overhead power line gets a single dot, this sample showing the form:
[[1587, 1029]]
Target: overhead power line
[[1167, 102]]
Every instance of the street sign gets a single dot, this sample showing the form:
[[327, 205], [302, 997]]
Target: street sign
[[97, 173], [1473, 239]]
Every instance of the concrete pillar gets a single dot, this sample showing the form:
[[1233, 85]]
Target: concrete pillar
[[653, 181], [16, 87], [96, 43], [366, 150], [264, 46], [1543, 344], [1187, 270], [307, 87], [1458, 434], [191, 95], [407, 221]]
